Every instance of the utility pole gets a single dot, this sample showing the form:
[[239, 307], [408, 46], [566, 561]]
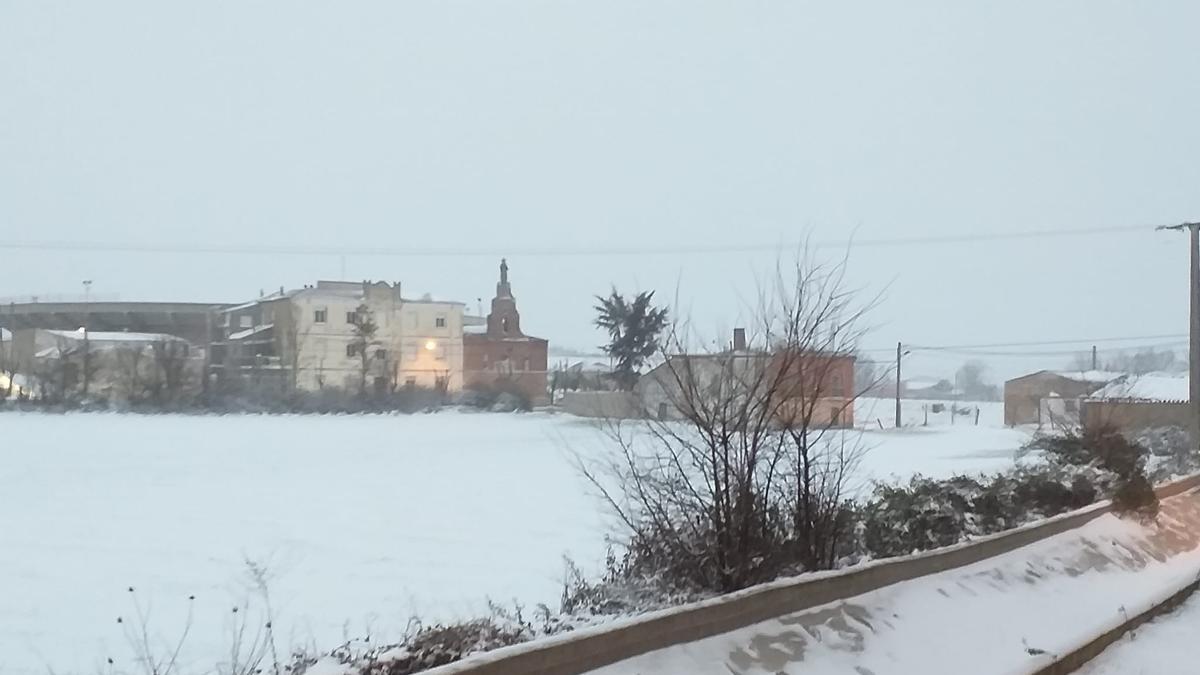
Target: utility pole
[[1095, 360], [87, 347], [898, 357], [1194, 318]]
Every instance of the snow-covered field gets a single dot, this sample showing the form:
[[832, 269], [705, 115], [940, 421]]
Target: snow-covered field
[[362, 521]]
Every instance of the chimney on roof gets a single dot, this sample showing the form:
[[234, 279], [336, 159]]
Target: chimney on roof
[[739, 339]]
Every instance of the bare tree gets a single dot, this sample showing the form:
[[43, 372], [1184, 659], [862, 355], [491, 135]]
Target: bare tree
[[365, 330], [57, 371], [170, 363], [742, 469], [8, 367], [129, 371]]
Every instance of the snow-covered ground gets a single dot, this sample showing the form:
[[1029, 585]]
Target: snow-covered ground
[[362, 521], [1165, 646]]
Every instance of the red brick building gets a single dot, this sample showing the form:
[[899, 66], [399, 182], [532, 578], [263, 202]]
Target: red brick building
[[503, 357]]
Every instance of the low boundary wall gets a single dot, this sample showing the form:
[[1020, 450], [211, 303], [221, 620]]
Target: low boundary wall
[[589, 649], [605, 404]]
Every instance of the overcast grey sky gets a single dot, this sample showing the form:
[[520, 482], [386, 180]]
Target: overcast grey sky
[[509, 126]]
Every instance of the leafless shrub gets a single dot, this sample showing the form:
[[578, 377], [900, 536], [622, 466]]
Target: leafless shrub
[[742, 470]]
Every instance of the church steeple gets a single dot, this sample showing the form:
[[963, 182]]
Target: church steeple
[[504, 319]]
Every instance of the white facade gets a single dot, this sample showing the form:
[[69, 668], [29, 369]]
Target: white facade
[[417, 342]]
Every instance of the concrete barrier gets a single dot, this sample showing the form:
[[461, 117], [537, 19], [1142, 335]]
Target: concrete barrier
[[586, 650]]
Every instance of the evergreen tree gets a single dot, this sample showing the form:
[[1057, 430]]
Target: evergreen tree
[[633, 329]]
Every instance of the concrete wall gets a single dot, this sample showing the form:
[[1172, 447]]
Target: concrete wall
[[603, 404], [586, 650], [1137, 415]]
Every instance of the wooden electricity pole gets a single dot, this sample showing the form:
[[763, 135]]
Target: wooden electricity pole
[[898, 357], [1194, 318]]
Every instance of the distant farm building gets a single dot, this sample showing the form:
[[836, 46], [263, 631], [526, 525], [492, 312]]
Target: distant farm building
[[1038, 397], [1137, 402]]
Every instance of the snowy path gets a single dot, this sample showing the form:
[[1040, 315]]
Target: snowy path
[[993, 618], [362, 521], [1165, 646]]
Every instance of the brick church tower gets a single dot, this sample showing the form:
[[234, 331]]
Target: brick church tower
[[503, 358], [504, 319]]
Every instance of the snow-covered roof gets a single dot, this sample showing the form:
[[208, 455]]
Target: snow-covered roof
[[921, 383], [1149, 387], [266, 298], [1092, 376], [243, 334], [114, 336]]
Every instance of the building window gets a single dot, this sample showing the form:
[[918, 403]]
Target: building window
[[381, 353], [440, 322], [351, 350], [525, 364], [835, 416], [504, 324], [352, 317], [245, 321], [320, 315], [485, 359], [835, 384]]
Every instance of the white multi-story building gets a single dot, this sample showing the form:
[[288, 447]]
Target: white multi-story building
[[310, 337]]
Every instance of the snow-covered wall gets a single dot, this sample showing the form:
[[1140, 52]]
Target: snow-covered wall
[[591, 649]]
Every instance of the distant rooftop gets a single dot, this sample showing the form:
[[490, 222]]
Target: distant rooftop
[[1148, 387], [1093, 376], [113, 336]]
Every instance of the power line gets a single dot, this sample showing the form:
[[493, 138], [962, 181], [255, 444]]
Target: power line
[[964, 348], [1062, 352], [673, 249], [1045, 343]]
